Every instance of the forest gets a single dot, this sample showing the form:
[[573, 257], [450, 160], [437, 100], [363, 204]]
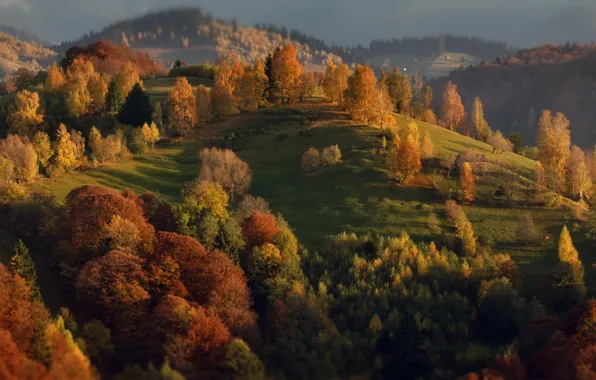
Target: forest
[[343, 223]]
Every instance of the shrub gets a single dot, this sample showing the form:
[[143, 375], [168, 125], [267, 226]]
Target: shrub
[[331, 155], [226, 169], [311, 160]]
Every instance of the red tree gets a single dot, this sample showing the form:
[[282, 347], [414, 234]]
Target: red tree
[[259, 229]]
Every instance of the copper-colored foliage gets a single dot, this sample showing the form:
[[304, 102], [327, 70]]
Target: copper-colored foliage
[[92, 207], [259, 229]]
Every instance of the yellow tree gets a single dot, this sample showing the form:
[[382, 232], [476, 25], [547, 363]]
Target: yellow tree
[[43, 148], [127, 78], [78, 98], [453, 113], [288, 72], [66, 150], [251, 86], [383, 107], [55, 80], [479, 123], [24, 114], [223, 95], [426, 146], [579, 181], [98, 90], [567, 252], [403, 159], [539, 177], [203, 99], [404, 95], [553, 141], [335, 82], [182, 107], [467, 182], [361, 94]]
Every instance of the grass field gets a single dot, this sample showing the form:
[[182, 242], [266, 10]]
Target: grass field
[[355, 195]]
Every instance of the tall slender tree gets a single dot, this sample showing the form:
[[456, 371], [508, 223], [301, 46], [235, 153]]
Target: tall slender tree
[[453, 113]]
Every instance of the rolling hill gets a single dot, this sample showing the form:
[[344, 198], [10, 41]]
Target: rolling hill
[[355, 196], [16, 54]]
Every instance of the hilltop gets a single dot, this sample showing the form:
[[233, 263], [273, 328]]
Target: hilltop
[[516, 89]]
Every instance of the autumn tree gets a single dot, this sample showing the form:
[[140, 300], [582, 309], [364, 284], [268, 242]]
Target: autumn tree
[[553, 141], [499, 143], [335, 82], [465, 232], [24, 115], [224, 99], [21, 153], [225, 168], [66, 155], [403, 100], [127, 77], [453, 113], [361, 94], [539, 177], [43, 148], [23, 265], [426, 146], [567, 282], [383, 107], [259, 229], [97, 85], [137, 109], [403, 159], [288, 72], [204, 112], [55, 80], [157, 118], [483, 131], [78, 99], [251, 86], [467, 182], [579, 181], [182, 107]]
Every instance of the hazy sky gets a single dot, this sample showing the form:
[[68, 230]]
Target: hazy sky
[[522, 23]]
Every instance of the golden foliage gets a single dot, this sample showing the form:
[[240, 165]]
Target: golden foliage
[[467, 182], [553, 141], [24, 114], [361, 94], [453, 113], [182, 107]]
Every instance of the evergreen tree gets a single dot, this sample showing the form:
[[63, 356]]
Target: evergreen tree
[[271, 90], [137, 109], [114, 99], [22, 264]]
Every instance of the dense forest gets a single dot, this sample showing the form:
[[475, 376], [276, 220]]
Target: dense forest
[[515, 89]]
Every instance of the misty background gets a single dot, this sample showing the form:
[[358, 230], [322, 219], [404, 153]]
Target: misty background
[[348, 22]]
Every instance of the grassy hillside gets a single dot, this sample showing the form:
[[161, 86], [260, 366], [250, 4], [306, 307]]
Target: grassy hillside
[[356, 195], [159, 88]]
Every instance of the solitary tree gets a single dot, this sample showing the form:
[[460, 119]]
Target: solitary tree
[[204, 112], [553, 142], [479, 123], [114, 97], [182, 107], [361, 94], [453, 113], [499, 143]]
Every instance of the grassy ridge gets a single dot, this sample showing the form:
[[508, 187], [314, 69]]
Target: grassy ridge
[[355, 195]]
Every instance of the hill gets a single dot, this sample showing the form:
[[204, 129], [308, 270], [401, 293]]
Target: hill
[[15, 54], [355, 196], [560, 78], [197, 36], [22, 35]]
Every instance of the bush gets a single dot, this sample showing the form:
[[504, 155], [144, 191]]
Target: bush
[[331, 155], [311, 160]]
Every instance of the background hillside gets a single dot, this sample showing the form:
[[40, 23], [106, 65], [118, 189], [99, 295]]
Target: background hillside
[[16, 54], [560, 78]]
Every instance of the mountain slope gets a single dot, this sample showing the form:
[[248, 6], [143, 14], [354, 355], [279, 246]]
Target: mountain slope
[[560, 78], [15, 54]]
